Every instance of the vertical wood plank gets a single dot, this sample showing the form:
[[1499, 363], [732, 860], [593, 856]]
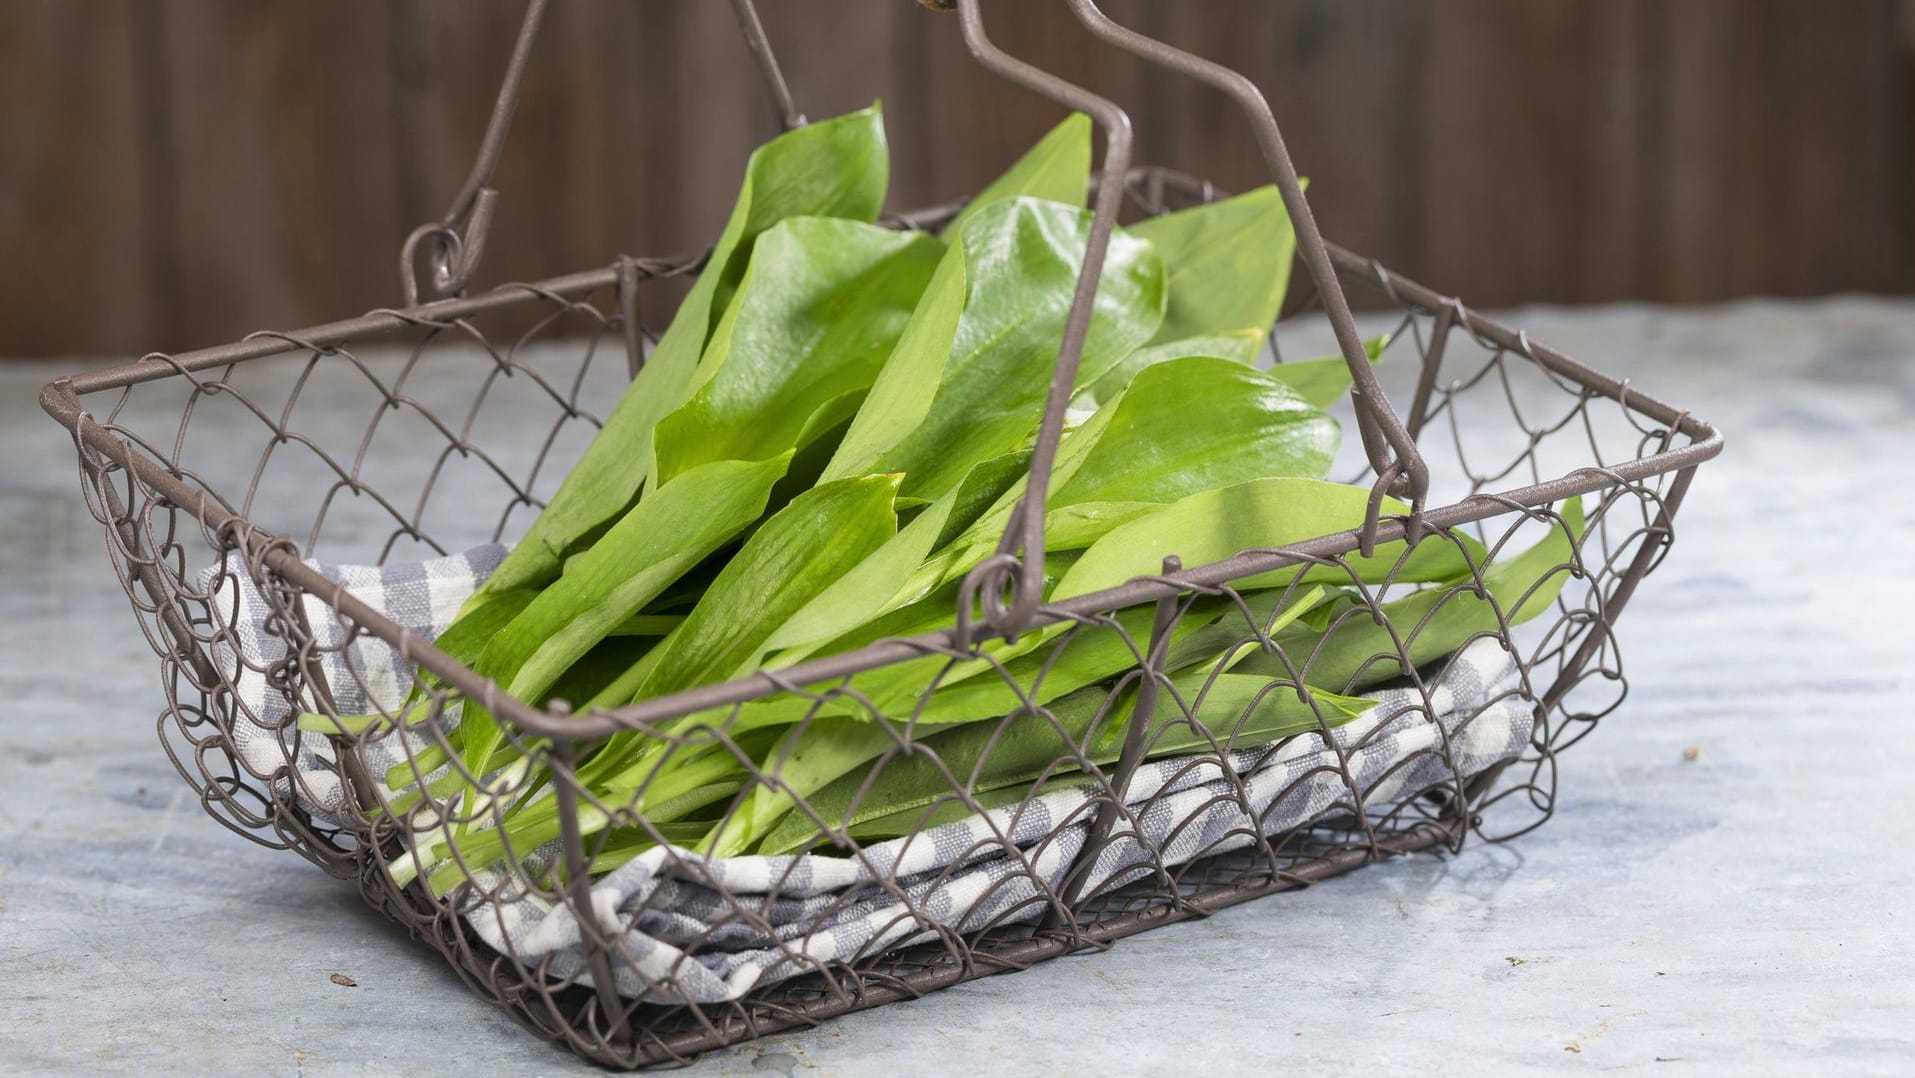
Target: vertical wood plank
[[77, 221], [1784, 150], [279, 131], [175, 175], [449, 59], [1532, 183], [1339, 77]]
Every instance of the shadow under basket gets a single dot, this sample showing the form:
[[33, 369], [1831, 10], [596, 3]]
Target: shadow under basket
[[259, 467]]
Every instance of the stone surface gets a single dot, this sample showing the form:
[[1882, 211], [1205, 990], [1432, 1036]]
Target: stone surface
[[1725, 887]]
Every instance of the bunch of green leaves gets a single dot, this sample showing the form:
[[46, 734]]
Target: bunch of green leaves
[[836, 429]]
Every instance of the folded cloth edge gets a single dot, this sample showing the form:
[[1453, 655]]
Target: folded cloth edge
[[690, 929]]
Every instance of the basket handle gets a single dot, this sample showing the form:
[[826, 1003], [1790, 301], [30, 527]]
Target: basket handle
[[1391, 448], [1009, 585], [1016, 569], [457, 239]]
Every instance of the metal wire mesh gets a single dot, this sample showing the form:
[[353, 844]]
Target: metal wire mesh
[[413, 434]]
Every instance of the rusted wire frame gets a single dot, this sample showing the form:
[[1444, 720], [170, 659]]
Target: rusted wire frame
[[596, 1030], [606, 1027], [1017, 568], [1382, 431], [458, 237], [60, 399]]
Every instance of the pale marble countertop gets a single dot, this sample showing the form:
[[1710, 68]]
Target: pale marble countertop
[[1747, 910]]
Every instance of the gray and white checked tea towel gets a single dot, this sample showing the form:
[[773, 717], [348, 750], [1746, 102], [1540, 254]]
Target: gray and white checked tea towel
[[693, 929]]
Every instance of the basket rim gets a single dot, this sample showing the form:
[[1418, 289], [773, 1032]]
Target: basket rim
[[61, 400]]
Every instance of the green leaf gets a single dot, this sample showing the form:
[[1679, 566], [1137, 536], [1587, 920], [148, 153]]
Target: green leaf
[[804, 547], [1352, 652], [817, 313], [649, 548], [1057, 169], [1229, 264], [1217, 524], [1198, 423], [834, 168], [646, 551], [1180, 427], [1017, 263], [1240, 346], [1025, 748], [909, 379], [1323, 382]]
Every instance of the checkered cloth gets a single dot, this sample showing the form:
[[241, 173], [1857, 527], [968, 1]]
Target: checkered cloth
[[691, 929], [365, 674]]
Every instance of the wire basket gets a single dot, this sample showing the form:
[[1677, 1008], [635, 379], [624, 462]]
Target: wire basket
[[232, 483]]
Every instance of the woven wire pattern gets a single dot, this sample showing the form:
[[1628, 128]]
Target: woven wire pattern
[[435, 435]]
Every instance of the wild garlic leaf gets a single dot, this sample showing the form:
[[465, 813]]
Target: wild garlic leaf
[[1023, 748], [1323, 382], [1240, 346], [1180, 427], [986, 337], [818, 312], [1353, 652], [1056, 169], [1217, 524], [1229, 264], [881, 582], [804, 547], [1320, 382], [834, 168], [649, 548], [1198, 423]]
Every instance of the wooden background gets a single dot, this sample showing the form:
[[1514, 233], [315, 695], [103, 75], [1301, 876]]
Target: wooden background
[[176, 174]]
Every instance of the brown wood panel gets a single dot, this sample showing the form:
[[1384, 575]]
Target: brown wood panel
[[448, 59], [1531, 122], [213, 166], [1783, 156], [278, 129], [77, 221], [843, 56], [1339, 76]]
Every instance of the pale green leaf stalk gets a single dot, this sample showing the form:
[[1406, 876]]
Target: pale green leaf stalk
[[1435, 621], [818, 753], [1022, 749]]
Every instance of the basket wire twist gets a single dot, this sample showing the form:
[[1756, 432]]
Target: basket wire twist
[[404, 420]]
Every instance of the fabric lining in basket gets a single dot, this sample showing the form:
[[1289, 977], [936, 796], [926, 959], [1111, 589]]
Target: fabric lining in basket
[[689, 929]]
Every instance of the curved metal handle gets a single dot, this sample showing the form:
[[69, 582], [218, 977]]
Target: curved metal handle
[[1016, 570], [457, 239], [1391, 448]]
